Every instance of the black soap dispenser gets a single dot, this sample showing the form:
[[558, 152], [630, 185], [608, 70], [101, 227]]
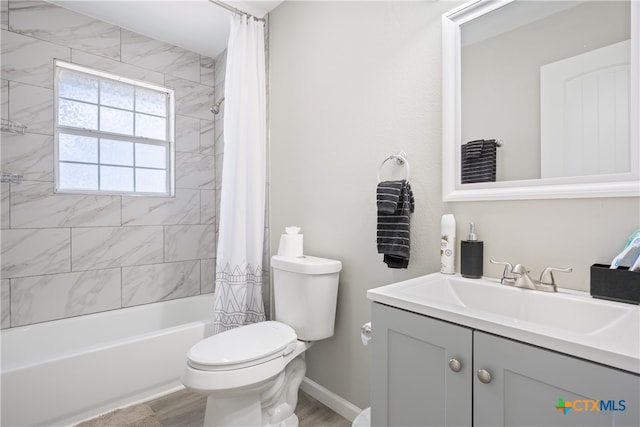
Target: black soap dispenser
[[471, 253]]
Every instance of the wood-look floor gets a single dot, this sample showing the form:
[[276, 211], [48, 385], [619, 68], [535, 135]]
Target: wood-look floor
[[186, 409]]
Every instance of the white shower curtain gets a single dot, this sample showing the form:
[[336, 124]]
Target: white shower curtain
[[238, 292]]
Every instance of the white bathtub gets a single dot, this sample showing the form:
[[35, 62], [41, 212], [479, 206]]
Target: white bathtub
[[61, 372]]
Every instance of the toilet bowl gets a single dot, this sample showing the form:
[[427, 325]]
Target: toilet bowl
[[251, 374]]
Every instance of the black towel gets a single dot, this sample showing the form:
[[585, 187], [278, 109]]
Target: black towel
[[395, 203], [479, 161]]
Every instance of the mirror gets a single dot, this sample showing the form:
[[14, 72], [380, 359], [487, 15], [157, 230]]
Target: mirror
[[540, 100]]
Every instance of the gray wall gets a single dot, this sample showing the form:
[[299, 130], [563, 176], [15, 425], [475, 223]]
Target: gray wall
[[67, 255], [352, 83]]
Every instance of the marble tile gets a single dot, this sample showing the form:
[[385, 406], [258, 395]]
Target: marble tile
[[207, 68], [107, 247], [56, 296], [32, 106], [4, 99], [192, 99], [207, 275], [61, 26], [187, 134], [156, 55], [195, 171], [218, 134], [218, 202], [30, 252], [218, 89], [4, 14], [5, 308], [116, 67], [207, 206], [184, 208], [34, 205], [219, 162], [220, 70], [207, 137], [189, 242], [30, 155], [160, 282], [217, 233], [5, 192], [30, 60]]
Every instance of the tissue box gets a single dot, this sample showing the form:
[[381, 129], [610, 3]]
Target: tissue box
[[617, 285]]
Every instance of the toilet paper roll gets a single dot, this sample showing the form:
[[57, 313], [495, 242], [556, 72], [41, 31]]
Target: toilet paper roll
[[290, 245], [365, 333]]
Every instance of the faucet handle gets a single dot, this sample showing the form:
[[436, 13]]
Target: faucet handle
[[508, 270], [546, 278]]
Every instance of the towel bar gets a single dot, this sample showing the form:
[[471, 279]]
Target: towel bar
[[400, 158]]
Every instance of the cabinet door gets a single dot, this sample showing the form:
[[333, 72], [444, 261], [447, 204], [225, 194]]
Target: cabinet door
[[411, 382], [529, 383]]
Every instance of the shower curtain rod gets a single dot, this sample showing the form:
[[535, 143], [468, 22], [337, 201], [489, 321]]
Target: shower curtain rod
[[234, 10]]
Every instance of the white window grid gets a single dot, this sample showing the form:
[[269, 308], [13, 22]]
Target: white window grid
[[168, 143]]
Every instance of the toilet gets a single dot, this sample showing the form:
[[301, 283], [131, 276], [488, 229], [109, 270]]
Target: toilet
[[251, 374]]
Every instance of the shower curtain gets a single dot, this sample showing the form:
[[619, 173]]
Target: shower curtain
[[238, 292]]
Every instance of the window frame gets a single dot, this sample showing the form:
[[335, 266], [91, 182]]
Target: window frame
[[169, 143]]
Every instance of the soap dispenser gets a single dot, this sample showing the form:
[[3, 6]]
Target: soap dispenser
[[471, 253]]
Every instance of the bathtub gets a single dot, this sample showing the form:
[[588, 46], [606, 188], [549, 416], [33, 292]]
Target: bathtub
[[61, 372]]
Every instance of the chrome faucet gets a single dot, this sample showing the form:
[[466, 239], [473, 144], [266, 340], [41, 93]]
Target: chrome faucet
[[547, 282], [523, 280], [518, 276], [508, 278]]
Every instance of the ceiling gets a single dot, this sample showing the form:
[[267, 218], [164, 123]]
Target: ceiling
[[196, 25]]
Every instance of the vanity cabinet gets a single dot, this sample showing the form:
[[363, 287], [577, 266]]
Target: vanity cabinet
[[411, 383], [425, 373]]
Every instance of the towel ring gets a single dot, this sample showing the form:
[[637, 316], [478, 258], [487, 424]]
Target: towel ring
[[401, 159]]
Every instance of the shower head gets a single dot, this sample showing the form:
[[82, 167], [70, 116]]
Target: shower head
[[215, 108]]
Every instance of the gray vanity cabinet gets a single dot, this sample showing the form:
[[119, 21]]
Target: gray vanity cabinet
[[413, 382], [527, 383]]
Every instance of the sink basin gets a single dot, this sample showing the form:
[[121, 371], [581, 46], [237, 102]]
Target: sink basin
[[559, 310], [566, 321]]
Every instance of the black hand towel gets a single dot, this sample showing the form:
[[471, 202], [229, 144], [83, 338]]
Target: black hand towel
[[395, 202], [479, 161]]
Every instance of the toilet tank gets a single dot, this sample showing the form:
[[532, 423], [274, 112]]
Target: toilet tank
[[305, 291]]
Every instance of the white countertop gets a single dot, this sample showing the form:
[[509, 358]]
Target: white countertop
[[569, 322]]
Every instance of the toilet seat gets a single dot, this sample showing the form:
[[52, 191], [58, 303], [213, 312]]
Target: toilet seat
[[243, 347]]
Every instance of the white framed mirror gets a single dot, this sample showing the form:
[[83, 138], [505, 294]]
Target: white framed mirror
[[557, 84]]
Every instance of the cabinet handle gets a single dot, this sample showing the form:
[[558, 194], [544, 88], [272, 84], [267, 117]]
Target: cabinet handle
[[484, 376], [455, 365]]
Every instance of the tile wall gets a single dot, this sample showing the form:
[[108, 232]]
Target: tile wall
[[68, 255]]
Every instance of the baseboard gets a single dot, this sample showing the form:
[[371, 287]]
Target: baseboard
[[330, 399]]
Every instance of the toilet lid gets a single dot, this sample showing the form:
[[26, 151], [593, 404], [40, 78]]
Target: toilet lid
[[241, 347]]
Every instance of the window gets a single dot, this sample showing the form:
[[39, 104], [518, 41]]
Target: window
[[112, 135]]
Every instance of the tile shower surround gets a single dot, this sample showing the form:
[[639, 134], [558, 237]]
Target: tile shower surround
[[65, 255]]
